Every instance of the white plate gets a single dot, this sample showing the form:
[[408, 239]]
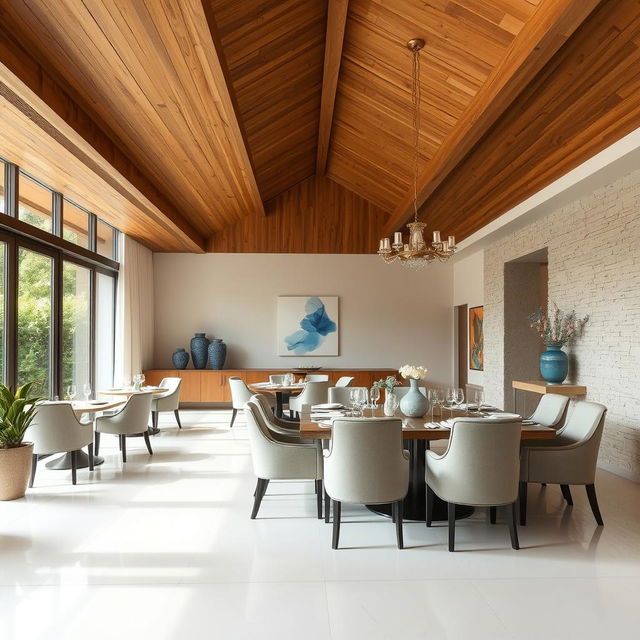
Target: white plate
[[327, 405], [506, 416]]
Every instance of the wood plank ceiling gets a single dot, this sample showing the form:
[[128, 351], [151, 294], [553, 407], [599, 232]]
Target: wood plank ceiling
[[223, 105]]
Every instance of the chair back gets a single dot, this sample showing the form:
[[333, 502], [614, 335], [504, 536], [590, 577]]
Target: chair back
[[170, 400], [344, 381], [55, 429], [240, 393], [277, 379], [131, 419], [276, 430], [342, 394], [313, 393], [316, 377], [551, 410], [483, 461], [401, 392], [366, 463], [585, 425]]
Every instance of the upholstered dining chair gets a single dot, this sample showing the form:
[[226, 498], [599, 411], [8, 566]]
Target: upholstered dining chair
[[344, 381], [240, 394], [168, 401], [342, 395], [276, 460], [277, 378], [313, 393], [131, 420], [366, 464], [479, 468], [570, 458], [282, 430], [55, 429], [551, 410], [316, 377]]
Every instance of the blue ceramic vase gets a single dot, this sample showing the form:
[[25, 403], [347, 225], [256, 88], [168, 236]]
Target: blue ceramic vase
[[414, 404], [180, 358], [217, 353], [199, 345], [554, 364]]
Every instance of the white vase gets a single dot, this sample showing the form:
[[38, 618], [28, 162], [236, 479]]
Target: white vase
[[390, 403]]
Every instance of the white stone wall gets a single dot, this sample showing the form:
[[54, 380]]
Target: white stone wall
[[594, 266]]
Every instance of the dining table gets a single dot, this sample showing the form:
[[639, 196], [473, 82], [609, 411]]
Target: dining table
[[127, 392], [417, 436], [280, 391], [80, 407]]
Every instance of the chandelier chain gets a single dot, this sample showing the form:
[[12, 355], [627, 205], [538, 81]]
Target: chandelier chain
[[415, 100]]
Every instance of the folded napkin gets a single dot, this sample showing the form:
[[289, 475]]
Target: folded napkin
[[323, 415]]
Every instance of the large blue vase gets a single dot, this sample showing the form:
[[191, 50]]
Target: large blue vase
[[554, 365], [199, 345], [217, 353], [414, 404], [180, 358]]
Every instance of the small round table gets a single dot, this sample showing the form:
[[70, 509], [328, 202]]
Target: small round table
[[281, 392]]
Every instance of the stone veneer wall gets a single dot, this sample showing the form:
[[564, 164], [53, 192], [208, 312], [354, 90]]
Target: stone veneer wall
[[594, 266]]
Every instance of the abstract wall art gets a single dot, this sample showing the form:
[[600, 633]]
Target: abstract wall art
[[476, 339], [307, 326]]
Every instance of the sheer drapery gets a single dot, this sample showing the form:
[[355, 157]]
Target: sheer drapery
[[134, 310]]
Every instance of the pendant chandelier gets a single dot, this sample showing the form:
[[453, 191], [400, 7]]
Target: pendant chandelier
[[416, 253]]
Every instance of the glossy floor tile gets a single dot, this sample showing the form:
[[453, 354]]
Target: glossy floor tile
[[163, 547]]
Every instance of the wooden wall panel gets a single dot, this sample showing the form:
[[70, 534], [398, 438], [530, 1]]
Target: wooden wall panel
[[315, 216], [586, 98]]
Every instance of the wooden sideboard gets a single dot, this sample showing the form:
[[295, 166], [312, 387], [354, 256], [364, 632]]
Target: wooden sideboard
[[206, 385]]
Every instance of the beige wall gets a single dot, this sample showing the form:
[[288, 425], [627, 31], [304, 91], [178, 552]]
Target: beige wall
[[389, 315]]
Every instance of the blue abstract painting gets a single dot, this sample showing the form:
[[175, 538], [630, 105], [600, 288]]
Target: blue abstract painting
[[308, 325]]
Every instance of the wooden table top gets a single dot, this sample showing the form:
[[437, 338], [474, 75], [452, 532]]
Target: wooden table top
[[414, 429], [275, 388], [542, 387]]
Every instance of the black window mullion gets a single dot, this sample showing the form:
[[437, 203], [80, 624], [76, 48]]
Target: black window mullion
[[92, 331], [56, 330], [11, 313], [93, 232], [57, 213]]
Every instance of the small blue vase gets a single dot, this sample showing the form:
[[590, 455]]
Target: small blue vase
[[180, 358], [554, 364], [199, 345], [217, 353], [414, 404]]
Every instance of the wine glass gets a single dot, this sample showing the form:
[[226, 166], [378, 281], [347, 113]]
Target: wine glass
[[363, 397], [86, 389], [433, 400], [458, 397], [353, 398], [71, 392], [479, 398], [374, 394], [451, 394]]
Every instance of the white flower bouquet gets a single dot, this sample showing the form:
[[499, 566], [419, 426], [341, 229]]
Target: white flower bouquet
[[413, 372]]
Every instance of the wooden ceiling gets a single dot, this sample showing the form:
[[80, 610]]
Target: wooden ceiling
[[194, 120]]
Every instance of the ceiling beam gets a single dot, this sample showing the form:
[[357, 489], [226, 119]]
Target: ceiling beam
[[541, 37], [336, 23], [224, 86]]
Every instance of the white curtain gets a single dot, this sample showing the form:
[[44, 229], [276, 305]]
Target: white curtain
[[134, 311]]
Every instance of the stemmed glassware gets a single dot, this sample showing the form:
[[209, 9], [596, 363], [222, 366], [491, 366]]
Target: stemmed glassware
[[433, 400], [71, 392], [479, 398], [86, 389], [374, 394], [450, 398], [458, 397]]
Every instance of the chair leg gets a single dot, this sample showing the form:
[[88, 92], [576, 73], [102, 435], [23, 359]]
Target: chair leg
[[513, 528], [176, 413], [337, 508], [147, 441], [430, 496], [233, 417], [123, 447], [593, 501], [492, 515], [393, 512], [96, 442], [451, 516], [319, 498], [74, 466], [327, 507], [261, 489], [399, 535], [90, 451], [154, 419], [523, 503], [34, 465], [566, 493]]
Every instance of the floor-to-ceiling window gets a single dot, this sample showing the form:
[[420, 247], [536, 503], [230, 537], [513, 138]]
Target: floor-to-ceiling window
[[57, 290]]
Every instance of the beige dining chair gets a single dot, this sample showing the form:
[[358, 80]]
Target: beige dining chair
[[276, 460], [312, 394], [551, 410], [366, 463], [56, 429], [282, 430], [570, 459], [479, 468], [167, 401], [342, 395], [344, 381]]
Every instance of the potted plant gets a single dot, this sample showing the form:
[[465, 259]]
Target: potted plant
[[16, 413], [556, 330]]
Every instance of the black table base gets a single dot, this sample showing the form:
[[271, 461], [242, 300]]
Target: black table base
[[63, 463], [414, 506]]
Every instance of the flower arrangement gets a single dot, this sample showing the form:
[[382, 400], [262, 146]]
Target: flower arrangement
[[557, 328], [386, 383], [413, 372]]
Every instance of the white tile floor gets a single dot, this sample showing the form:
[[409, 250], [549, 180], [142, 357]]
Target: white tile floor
[[163, 548]]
